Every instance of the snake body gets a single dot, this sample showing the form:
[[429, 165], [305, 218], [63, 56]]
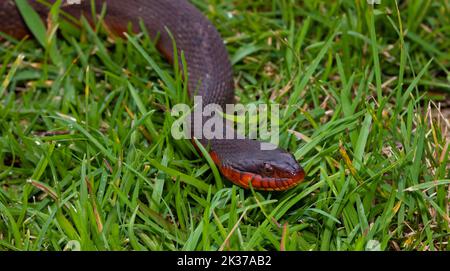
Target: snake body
[[209, 75]]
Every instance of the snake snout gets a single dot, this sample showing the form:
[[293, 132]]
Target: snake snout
[[285, 166]]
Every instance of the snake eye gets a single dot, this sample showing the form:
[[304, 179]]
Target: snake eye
[[268, 168]]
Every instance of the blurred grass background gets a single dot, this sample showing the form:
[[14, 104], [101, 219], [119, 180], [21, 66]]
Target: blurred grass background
[[87, 160]]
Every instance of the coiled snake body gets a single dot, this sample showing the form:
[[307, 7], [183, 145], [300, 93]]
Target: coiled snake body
[[209, 73]]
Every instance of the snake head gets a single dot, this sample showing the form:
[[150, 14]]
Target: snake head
[[278, 170], [274, 169]]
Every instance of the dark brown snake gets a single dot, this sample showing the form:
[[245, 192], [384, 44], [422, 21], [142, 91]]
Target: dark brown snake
[[209, 73]]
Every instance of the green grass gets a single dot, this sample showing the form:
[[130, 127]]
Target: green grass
[[87, 160]]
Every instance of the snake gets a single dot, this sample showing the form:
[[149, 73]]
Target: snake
[[241, 160]]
